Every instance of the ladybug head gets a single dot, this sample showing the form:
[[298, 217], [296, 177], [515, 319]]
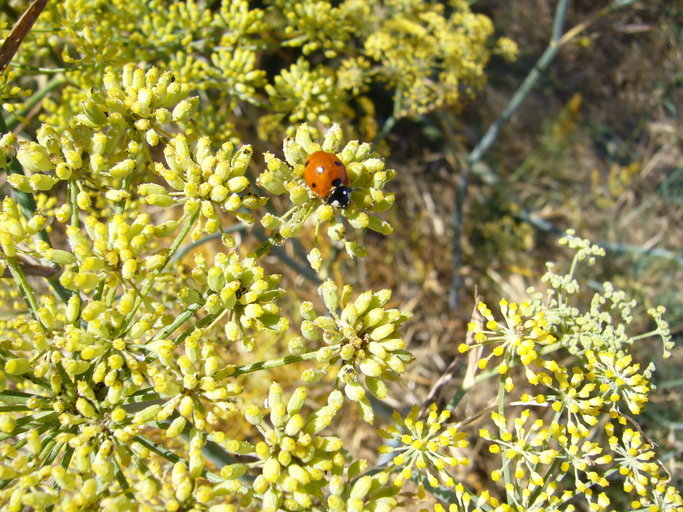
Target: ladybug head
[[340, 195]]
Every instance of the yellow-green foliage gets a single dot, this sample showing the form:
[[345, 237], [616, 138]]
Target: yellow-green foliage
[[124, 371], [301, 61]]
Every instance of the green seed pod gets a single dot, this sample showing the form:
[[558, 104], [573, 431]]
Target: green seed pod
[[185, 109], [216, 279], [373, 317], [123, 168], [271, 473], [382, 332], [17, 366], [315, 259], [379, 225], [214, 304], [325, 323], [92, 310], [240, 162], [20, 182], [333, 139], [34, 157], [309, 331], [349, 315], [298, 194], [307, 310], [329, 292], [296, 401], [42, 182], [271, 222], [73, 308]]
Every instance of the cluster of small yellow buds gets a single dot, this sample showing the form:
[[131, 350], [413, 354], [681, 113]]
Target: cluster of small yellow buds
[[294, 459], [367, 178], [204, 180], [242, 289], [526, 447], [364, 340], [317, 25], [146, 100], [15, 229], [620, 380], [112, 251], [366, 492], [520, 336], [301, 94], [190, 384], [423, 446]]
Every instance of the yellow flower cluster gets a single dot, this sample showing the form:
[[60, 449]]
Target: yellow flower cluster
[[367, 178], [557, 428], [310, 61], [363, 339], [423, 446], [122, 378]]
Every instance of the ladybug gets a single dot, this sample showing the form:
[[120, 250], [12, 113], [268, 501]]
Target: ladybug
[[326, 175]]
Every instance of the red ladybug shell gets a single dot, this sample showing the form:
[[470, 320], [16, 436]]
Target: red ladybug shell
[[322, 171]]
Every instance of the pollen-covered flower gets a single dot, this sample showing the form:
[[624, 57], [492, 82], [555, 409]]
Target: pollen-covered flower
[[424, 446], [635, 458], [520, 336], [364, 339], [620, 380]]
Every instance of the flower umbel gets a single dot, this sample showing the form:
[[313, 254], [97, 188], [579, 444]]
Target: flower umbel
[[424, 446]]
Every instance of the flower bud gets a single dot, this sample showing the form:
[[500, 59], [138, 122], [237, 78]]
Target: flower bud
[[34, 157], [185, 109]]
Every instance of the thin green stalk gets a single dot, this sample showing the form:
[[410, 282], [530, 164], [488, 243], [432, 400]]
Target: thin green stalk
[[150, 280], [506, 465], [180, 320], [272, 241], [527, 85], [206, 239], [13, 120], [73, 201], [24, 288], [172, 457], [265, 365]]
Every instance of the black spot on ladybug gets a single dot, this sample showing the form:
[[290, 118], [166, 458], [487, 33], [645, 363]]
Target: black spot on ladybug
[[336, 182], [313, 185], [307, 162], [338, 163]]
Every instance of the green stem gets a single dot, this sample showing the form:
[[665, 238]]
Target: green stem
[[73, 201], [150, 281], [274, 240], [527, 85], [506, 465], [208, 238], [14, 119], [24, 288], [264, 365], [180, 319], [167, 454]]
